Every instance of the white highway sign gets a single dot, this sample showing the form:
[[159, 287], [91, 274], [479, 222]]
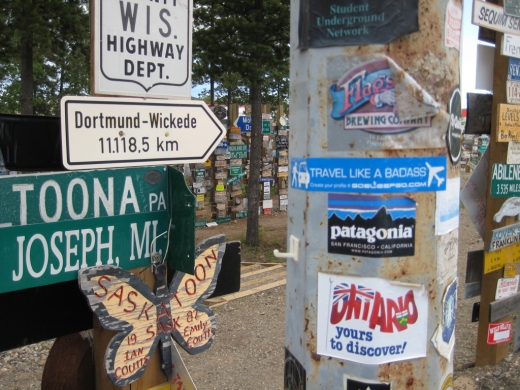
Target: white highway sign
[[143, 48], [107, 133]]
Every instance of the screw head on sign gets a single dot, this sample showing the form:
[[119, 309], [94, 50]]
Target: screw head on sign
[[121, 133], [156, 258], [166, 134]]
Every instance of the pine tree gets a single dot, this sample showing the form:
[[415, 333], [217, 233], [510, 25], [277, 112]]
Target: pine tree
[[249, 38]]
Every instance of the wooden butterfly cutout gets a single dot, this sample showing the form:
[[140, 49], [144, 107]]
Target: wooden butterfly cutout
[[124, 303]]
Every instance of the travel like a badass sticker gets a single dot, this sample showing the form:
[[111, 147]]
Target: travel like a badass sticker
[[124, 303], [370, 320], [374, 102], [371, 226]]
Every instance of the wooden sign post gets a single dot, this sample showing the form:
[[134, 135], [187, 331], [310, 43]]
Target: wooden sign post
[[493, 353]]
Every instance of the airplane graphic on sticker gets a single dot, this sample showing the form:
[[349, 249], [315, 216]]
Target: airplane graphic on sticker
[[365, 99]]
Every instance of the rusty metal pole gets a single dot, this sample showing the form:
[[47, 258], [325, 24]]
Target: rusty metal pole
[[371, 291]]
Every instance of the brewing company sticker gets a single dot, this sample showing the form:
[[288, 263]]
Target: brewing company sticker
[[374, 104], [371, 226], [370, 320]]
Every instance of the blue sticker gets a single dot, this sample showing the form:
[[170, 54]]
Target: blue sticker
[[513, 70], [369, 175], [449, 308]]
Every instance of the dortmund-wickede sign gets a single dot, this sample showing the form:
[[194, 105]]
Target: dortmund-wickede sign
[[52, 225], [143, 48], [100, 132]]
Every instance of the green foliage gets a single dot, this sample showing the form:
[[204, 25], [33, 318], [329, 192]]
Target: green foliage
[[239, 44], [57, 35]]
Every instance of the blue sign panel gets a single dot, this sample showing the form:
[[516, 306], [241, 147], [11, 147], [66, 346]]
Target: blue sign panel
[[513, 70], [223, 145], [369, 175], [244, 122]]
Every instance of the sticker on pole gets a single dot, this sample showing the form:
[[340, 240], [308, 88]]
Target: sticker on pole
[[444, 338], [362, 384], [109, 133], [374, 102], [371, 226], [370, 320], [499, 332], [143, 48], [369, 175]]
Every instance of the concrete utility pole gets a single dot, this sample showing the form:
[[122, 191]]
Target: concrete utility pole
[[373, 204]]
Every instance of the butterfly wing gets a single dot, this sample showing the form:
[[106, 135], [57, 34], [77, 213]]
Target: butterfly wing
[[194, 324], [123, 303]]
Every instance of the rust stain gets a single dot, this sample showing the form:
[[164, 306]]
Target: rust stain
[[315, 356], [306, 324]]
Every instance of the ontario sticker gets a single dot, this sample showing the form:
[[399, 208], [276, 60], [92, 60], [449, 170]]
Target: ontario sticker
[[371, 226], [370, 320]]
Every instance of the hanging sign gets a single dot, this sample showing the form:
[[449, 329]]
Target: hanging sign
[[351, 326], [325, 24], [486, 14], [108, 132], [505, 181], [143, 50], [504, 236], [497, 259], [124, 303], [369, 175], [507, 287], [508, 129], [371, 226], [510, 46], [512, 7], [499, 332], [51, 225], [237, 151]]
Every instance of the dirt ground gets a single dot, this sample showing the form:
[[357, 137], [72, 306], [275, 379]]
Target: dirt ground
[[248, 352]]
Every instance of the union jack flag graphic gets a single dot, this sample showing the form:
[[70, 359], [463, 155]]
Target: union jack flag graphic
[[349, 293]]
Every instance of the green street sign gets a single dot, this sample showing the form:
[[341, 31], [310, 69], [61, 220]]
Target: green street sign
[[237, 170], [237, 151], [241, 214], [266, 127], [505, 180], [51, 225], [200, 172], [236, 179]]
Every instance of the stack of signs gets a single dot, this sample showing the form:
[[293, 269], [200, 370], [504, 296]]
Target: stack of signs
[[267, 190], [284, 202]]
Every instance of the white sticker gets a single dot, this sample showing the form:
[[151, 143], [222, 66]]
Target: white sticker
[[507, 287], [370, 320], [513, 152], [447, 209], [452, 25], [447, 246]]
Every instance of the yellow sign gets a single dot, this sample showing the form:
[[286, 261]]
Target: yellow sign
[[510, 270], [508, 123], [200, 197], [164, 386], [497, 259], [207, 163], [220, 187], [235, 130]]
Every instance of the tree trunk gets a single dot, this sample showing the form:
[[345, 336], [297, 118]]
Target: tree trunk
[[253, 189], [27, 76]]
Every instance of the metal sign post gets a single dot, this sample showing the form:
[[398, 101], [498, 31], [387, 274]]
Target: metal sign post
[[373, 212]]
